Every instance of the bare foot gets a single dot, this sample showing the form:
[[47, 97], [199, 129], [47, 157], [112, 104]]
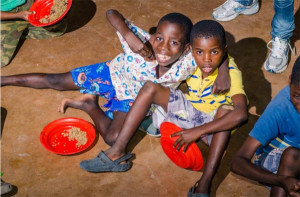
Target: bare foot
[[85, 103]]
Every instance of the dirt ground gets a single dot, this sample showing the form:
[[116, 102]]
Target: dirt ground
[[34, 171]]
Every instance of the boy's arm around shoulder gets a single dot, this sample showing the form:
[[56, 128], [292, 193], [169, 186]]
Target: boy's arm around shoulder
[[222, 83], [15, 15], [242, 165], [136, 45]]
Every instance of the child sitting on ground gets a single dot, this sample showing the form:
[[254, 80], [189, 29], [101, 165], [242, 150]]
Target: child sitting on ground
[[121, 79], [202, 114], [13, 30], [275, 142]]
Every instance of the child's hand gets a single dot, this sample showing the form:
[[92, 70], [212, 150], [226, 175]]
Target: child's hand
[[185, 137], [223, 82], [24, 15], [137, 46], [291, 186]]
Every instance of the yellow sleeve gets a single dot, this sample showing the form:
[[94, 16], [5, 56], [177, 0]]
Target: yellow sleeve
[[237, 86]]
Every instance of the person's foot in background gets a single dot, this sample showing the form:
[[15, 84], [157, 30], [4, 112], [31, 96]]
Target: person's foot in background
[[231, 9], [277, 59]]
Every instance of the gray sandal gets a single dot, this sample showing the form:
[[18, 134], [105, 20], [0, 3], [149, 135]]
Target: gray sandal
[[102, 163]]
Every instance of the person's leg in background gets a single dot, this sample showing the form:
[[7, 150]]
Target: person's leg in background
[[283, 25], [13, 30]]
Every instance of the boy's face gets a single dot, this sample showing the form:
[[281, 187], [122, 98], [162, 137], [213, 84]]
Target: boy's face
[[295, 96], [168, 44], [208, 54]]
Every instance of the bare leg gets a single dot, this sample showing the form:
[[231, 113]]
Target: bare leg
[[289, 166], [150, 93], [215, 153], [62, 81], [108, 129], [147, 95]]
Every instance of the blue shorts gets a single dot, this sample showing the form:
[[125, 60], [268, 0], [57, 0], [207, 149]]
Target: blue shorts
[[95, 79], [269, 161]]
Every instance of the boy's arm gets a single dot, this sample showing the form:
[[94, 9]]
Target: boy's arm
[[242, 165], [135, 44], [15, 15], [223, 82], [225, 123]]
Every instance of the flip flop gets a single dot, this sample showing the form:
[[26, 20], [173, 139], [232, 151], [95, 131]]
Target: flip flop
[[102, 163], [192, 193]]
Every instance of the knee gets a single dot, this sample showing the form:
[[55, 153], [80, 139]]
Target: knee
[[4, 61], [149, 88], [54, 81], [292, 155], [224, 109]]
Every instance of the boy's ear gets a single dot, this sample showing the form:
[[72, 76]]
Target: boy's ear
[[151, 40], [290, 79], [226, 49], [186, 47]]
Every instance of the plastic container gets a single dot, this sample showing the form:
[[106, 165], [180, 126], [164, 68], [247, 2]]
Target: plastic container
[[53, 139], [41, 8], [192, 159]]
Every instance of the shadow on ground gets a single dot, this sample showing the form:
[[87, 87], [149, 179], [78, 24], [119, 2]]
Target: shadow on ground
[[296, 33], [81, 12]]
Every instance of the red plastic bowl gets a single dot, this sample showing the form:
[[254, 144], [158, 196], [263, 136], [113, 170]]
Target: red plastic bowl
[[191, 159], [52, 139], [42, 8]]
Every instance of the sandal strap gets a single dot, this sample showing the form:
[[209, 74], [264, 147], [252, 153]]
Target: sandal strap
[[103, 156], [123, 158]]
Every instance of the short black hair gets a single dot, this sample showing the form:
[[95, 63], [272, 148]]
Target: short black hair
[[207, 29], [295, 77], [181, 20]]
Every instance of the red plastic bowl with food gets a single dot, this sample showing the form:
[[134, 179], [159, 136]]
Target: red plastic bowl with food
[[67, 136], [48, 12]]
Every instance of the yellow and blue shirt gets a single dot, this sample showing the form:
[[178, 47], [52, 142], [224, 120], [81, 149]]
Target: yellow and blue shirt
[[200, 90]]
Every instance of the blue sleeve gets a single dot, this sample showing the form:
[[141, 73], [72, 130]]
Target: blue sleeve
[[266, 128]]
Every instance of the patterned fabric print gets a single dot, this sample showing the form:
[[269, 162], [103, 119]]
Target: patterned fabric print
[[129, 71], [95, 79], [182, 113], [200, 90], [12, 30], [269, 161]]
